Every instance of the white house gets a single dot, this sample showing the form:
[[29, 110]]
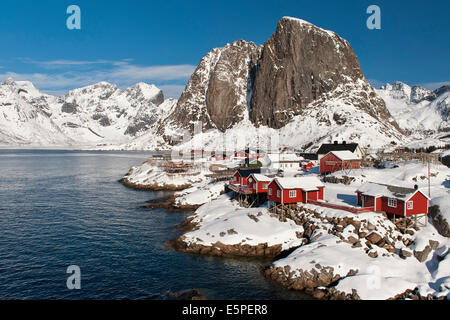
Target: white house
[[283, 161]]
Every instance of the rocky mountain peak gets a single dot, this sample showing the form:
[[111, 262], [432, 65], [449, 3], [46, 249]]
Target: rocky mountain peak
[[300, 64], [217, 92], [145, 91]]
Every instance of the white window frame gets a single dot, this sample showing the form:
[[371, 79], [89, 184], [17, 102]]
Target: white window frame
[[270, 191], [292, 193], [278, 193], [410, 205], [265, 185], [392, 203]]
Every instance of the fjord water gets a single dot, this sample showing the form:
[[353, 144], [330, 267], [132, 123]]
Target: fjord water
[[61, 208]]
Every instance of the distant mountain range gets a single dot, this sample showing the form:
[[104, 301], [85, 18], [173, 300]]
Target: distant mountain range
[[305, 83]]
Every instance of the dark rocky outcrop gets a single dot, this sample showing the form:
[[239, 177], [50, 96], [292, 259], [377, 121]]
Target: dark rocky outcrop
[[299, 64], [216, 93], [441, 225], [69, 107]]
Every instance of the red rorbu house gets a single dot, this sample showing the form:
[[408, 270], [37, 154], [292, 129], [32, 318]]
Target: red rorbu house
[[308, 166], [258, 183], [335, 161], [394, 200], [295, 190], [239, 181]]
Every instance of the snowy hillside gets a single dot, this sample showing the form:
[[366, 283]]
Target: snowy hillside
[[97, 114], [421, 112]]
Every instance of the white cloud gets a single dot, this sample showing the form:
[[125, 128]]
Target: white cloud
[[435, 85], [66, 75], [172, 91]]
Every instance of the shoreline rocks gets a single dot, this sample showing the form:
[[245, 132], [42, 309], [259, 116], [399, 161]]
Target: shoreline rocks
[[220, 249], [153, 187], [169, 203], [189, 294]]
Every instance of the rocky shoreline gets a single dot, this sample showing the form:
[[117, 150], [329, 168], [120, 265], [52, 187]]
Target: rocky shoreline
[[169, 203], [154, 186], [219, 249]]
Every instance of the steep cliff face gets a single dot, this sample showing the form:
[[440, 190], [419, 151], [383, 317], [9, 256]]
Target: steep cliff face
[[217, 92], [301, 64]]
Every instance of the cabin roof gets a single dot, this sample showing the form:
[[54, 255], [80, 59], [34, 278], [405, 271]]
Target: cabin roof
[[284, 157], [307, 183], [261, 177], [379, 189], [247, 172], [345, 155], [327, 147]]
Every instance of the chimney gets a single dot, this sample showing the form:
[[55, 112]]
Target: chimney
[[335, 142], [416, 187], [344, 143]]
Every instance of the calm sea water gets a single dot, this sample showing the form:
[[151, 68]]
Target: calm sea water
[[61, 208]]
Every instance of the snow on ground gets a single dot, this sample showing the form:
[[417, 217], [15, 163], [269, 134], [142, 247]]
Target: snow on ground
[[200, 193], [149, 174], [223, 220]]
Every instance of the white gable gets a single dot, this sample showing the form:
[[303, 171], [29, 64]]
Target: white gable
[[345, 155], [307, 183]]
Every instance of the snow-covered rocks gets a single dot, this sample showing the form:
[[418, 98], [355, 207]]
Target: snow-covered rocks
[[384, 264], [224, 228]]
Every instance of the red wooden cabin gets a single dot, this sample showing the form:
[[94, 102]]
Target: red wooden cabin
[[296, 190], [258, 183], [339, 160], [308, 166], [395, 200], [239, 181]]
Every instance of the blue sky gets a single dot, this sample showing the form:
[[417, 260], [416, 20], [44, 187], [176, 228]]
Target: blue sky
[[161, 42]]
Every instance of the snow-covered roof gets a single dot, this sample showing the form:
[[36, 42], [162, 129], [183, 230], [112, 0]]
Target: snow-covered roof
[[307, 183], [378, 189], [345, 155], [328, 147], [280, 157], [261, 177], [247, 172]]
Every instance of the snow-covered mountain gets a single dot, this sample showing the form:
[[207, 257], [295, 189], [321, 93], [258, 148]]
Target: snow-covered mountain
[[305, 83], [304, 87], [96, 114], [420, 112]]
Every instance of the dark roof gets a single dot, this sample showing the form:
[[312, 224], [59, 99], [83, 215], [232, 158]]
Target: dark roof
[[247, 172], [328, 147], [309, 156]]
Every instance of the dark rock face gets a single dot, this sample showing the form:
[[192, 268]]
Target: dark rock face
[[226, 98], [69, 107], [216, 93], [299, 63]]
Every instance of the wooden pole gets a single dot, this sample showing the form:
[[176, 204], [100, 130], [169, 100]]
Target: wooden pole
[[429, 182]]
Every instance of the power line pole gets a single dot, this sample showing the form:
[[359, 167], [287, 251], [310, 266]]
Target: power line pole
[[429, 177]]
